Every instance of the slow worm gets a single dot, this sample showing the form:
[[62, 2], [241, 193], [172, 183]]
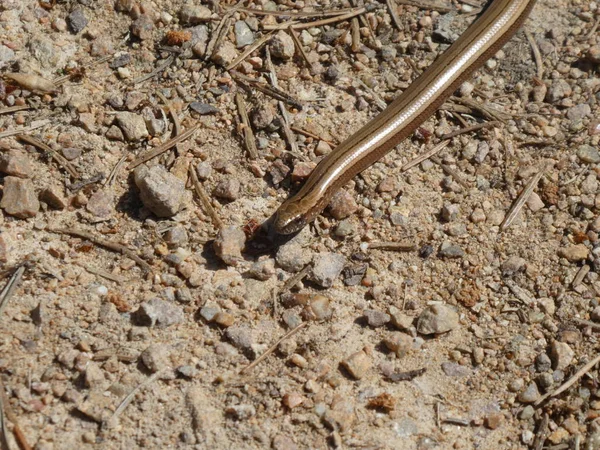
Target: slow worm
[[498, 23]]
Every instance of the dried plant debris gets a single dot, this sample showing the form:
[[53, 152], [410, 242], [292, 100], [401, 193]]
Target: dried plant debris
[[447, 297]]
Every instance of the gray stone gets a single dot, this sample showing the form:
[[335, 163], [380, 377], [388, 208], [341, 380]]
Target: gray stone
[[357, 364], [229, 245], [530, 394], [224, 54], [512, 265], [19, 198], [160, 191], [450, 212], [558, 90], [228, 189], [578, 112], [94, 376], [156, 357], [243, 34], [456, 370], [101, 204], [376, 318], [449, 250], [327, 267], [292, 257], [282, 45], [194, 14], [15, 163], [160, 313], [6, 55], [561, 354], [203, 108], [399, 319], [588, 154], [437, 319], [401, 344], [240, 337], [132, 125], [77, 21], [143, 27]]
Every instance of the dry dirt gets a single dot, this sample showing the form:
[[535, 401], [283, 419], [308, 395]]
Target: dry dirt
[[76, 335]]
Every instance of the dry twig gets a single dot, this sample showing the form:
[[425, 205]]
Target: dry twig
[[251, 48], [469, 129], [393, 246], [61, 160], [428, 154], [298, 15], [536, 54], [272, 348], [201, 193], [246, 128], [107, 244], [33, 126], [521, 199], [164, 147], [10, 415], [156, 71], [271, 91], [318, 23], [12, 109], [8, 290]]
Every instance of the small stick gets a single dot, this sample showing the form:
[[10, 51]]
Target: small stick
[[38, 124], [113, 173], [570, 382], [289, 134], [519, 292], [394, 246], [587, 323], [246, 128], [251, 48], [536, 54], [423, 4], [406, 376], [219, 34], [299, 46], [485, 110], [10, 415], [456, 421], [450, 171], [581, 273], [201, 193], [318, 23], [171, 111], [542, 431], [593, 30], [428, 154], [12, 109], [521, 199], [10, 288], [129, 397], [62, 161], [105, 274], [355, 30], [107, 244], [271, 91], [80, 184], [299, 15], [394, 14], [381, 104], [272, 348], [468, 129], [164, 147], [156, 71], [309, 134], [3, 431], [293, 281]]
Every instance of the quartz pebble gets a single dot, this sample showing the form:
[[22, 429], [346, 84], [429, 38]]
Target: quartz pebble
[[156, 357], [229, 245], [437, 319], [561, 355], [15, 163], [530, 394], [159, 313], [376, 318], [327, 267], [160, 191], [357, 364], [282, 45], [574, 253], [19, 198], [342, 205]]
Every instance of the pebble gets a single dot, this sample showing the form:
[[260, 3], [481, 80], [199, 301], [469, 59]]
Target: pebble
[[282, 45], [318, 308], [156, 357], [512, 266], [494, 420], [593, 53], [327, 267], [401, 344], [176, 236], [527, 413], [132, 125], [543, 363], [241, 412], [208, 312], [160, 191], [187, 371], [194, 14], [574, 253], [101, 204], [561, 355], [143, 27], [229, 244], [357, 364], [228, 189], [240, 337], [455, 370], [588, 154], [534, 202], [595, 315], [292, 257], [243, 34], [282, 442], [94, 376], [224, 319], [376, 318], [159, 313], [262, 116], [399, 319], [262, 270], [15, 163], [450, 212], [449, 250], [71, 153], [203, 170], [322, 148], [530, 394], [19, 198], [437, 319], [558, 90], [342, 205], [224, 54], [203, 109], [345, 228], [478, 216], [77, 21], [578, 112], [293, 400]]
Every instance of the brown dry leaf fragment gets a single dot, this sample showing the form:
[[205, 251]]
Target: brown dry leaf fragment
[[120, 303], [177, 37], [383, 401], [32, 83]]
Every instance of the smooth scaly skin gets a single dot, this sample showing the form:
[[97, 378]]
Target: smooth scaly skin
[[402, 117]]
